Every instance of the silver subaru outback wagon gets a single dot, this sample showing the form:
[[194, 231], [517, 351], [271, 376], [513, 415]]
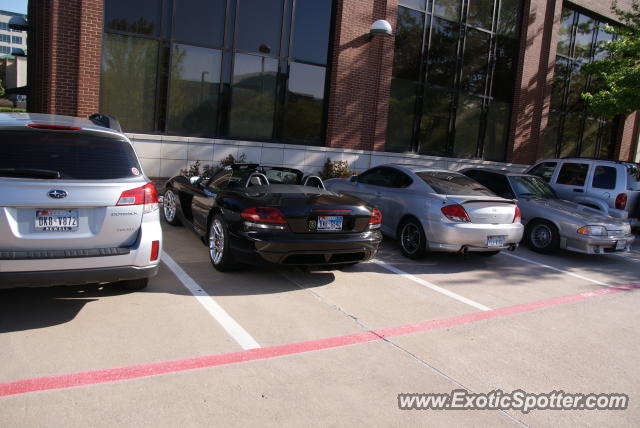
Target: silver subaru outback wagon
[[75, 206]]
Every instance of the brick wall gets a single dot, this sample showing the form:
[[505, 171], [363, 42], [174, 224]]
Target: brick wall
[[64, 55], [360, 75]]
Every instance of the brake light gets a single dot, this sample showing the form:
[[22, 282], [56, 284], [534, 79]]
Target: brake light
[[517, 216], [456, 213], [155, 250], [146, 195], [376, 219], [54, 127], [263, 215], [621, 201]]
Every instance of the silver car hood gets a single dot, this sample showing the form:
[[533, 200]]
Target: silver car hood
[[582, 213]]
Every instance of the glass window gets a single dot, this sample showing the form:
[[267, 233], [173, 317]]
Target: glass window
[[561, 72], [497, 132], [259, 26], [577, 85], [449, 9], [532, 186], [193, 91], [573, 174], [498, 184], [604, 177], [443, 53], [453, 183], [434, 125], [408, 45], [386, 177], [476, 58], [544, 170], [198, 21], [589, 138], [139, 17], [601, 41], [468, 119], [564, 35], [4, 26], [253, 96], [607, 141], [402, 104], [5, 38], [509, 18], [551, 134], [584, 37], [311, 30], [304, 103], [504, 75], [570, 135], [17, 40], [220, 179], [129, 81], [480, 13], [418, 4]]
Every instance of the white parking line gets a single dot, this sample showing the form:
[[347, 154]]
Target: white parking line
[[431, 286], [234, 329], [566, 272]]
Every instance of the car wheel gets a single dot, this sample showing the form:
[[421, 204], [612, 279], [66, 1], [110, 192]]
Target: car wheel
[[489, 253], [170, 208], [219, 250], [413, 242], [542, 237], [134, 284]]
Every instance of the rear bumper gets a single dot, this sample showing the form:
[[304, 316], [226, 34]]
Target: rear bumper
[[596, 244], [75, 276], [305, 250], [456, 237]]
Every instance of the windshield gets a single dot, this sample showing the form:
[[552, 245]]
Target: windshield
[[65, 155], [453, 183], [532, 186]]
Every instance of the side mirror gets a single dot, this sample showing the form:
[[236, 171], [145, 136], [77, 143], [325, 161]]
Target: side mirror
[[353, 179], [195, 180]]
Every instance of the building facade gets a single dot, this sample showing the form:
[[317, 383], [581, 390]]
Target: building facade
[[9, 38], [298, 81]]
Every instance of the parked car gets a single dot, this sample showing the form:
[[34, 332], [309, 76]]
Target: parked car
[[75, 206], [609, 186], [552, 223], [247, 213], [436, 210]]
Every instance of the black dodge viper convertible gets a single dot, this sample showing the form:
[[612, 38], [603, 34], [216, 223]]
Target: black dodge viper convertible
[[247, 213]]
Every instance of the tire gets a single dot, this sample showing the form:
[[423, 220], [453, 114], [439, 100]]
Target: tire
[[542, 237], [170, 208], [219, 249], [413, 242], [489, 253], [135, 284]]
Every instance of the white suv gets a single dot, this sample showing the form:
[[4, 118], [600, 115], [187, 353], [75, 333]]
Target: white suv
[[609, 186], [75, 206]]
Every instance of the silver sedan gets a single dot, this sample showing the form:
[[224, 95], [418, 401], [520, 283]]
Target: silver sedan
[[552, 223], [430, 209]]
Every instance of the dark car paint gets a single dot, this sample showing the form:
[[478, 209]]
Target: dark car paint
[[197, 204]]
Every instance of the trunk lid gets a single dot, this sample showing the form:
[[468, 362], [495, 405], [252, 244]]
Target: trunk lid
[[486, 210]]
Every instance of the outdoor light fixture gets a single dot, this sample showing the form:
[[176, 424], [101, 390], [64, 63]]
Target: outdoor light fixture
[[380, 27]]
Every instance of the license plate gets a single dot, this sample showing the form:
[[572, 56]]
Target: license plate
[[330, 223], [56, 220], [621, 245], [495, 241]]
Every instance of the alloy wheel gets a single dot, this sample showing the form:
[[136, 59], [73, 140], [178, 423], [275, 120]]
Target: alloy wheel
[[410, 238], [169, 206], [216, 241]]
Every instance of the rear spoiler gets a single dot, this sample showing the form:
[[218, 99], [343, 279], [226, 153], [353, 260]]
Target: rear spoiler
[[499, 201]]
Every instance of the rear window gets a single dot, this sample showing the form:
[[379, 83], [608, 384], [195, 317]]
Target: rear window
[[73, 156], [452, 183]]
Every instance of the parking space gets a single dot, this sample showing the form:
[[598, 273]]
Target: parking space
[[448, 321]]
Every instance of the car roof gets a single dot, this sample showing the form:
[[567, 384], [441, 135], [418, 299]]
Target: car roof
[[417, 168], [585, 159], [21, 119], [499, 171]]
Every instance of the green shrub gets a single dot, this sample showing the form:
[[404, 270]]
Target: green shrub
[[335, 169], [12, 110]]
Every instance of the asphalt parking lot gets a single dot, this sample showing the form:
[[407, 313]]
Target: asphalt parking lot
[[287, 346]]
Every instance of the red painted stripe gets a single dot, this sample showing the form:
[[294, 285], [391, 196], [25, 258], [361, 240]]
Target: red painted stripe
[[151, 369]]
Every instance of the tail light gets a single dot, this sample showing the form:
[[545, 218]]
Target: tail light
[[456, 213], [517, 216], [53, 127], [155, 250], [376, 219], [146, 195], [263, 215], [621, 201]]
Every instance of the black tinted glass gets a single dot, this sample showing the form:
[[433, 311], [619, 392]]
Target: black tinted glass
[[402, 104], [434, 125], [311, 30], [509, 17], [468, 119], [604, 177], [140, 16], [480, 13], [304, 103], [259, 26], [443, 52], [449, 9], [452, 183], [476, 60], [573, 174], [199, 21], [408, 47], [75, 156]]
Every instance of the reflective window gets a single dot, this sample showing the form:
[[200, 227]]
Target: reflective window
[[443, 53], [467, 126], [509, 18], [304, 103], [453, 183], [401, 115], [253, 96], [475, 61], [573, 174], [544, 170], [480, 13], [497, 132], [129, 78], [418, 4], [200, 22], [259, 26], [449, 9], [140, 16], [311, 30], [604, 177], [193, 91], [434, 126], [408, 44]]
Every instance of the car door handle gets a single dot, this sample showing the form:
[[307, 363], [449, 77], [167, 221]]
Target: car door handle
[[578, 190]]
